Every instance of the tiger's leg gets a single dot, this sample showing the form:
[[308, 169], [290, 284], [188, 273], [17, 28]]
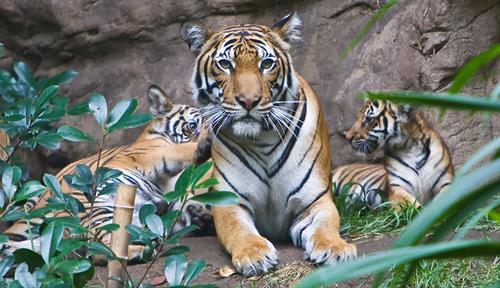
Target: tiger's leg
[[317, 231], [400, 197], [251, 253]]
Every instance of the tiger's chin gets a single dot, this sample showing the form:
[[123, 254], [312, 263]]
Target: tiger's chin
[[246, 128]]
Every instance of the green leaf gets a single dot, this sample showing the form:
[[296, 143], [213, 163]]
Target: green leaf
[[3, 239], [24, 73], [24, 277], [99, 108], [155, 224], [68, 246], [194, 269], [13, 214], [64, 77], [53, 184], [210, 182], [49, 140], [472, 66], [110, 227], [181, 233], [81, 279], [147, 209], [30, 189], [10, 177], [329, 275], [481, 154], [49, 240], [217, 198], [175, 268], [5, 265], [72, 266], [446, 101], [199, 172], [121, 111], [95, 248], [173, 196], [182, 183], [33, 259], [79, 109], [85, 174], [175, 250], [132, 121], [73, 134], [47, 94]]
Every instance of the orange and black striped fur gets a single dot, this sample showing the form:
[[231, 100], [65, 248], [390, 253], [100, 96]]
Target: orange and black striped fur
[[417, 163], [4, 142], [151, 163], [270, 145]]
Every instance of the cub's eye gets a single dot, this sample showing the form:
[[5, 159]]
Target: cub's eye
[[266, 64], [192, 126], [224, 64]]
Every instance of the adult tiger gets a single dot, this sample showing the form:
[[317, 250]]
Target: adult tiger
[[417, 162], [151, 163], [270, 145]]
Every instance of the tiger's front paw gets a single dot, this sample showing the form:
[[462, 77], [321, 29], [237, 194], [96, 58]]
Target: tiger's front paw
[[329, 250], [256, 256]]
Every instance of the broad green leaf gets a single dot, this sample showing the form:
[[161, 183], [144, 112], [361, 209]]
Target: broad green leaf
[[472, 66], [121, 111], [49, 140], [217, 198], [47, 94], [199, 172], [99, 108], [30, 189], [81, 279], [446, 101], [104, 174], [155, 224], [73, 134], [210, 182], [110, 227], [72, 266], [24, 277], [194, 269], [3, 239], [182, 183], [175, 268], [362, 33], [79, 109], [10, 177], [53, 184], [24, 73], [132, 121], [173, 196], [95, 248], [49, 240], [64, 77], [33, 259], [13, 214], [329, 275], [147, 209], [475, 219], [85, 174], [68, 246], [5, 265]]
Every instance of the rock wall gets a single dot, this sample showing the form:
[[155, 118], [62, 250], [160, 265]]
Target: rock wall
[[120, 47]]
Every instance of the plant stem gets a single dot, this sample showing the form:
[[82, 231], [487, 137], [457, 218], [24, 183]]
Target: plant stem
[[94, 188], [30, 234], [14, 150]]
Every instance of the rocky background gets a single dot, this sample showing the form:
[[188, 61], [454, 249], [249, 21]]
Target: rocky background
[[121, 47]]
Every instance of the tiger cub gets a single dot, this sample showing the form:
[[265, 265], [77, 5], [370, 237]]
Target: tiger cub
[[151, 163], [417, 162], [270, 145]]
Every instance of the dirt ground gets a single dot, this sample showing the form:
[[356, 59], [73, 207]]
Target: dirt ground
[[208, 248], [291, 268]]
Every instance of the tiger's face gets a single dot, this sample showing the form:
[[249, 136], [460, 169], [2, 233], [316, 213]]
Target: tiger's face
[[176, 123], [378, 124], [243, 74]]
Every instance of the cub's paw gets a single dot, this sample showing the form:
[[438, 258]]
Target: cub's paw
[[256, 256], [329, 250]]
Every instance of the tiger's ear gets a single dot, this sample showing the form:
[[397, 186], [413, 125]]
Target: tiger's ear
[[288, 27], [195, 35], [405, 112], [160, 103]]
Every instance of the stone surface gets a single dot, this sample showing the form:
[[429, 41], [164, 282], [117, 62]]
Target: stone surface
[[120, 48]]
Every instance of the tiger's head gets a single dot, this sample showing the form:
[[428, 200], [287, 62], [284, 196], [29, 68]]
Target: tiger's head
[[243, 74], [174, 122], [378, 125]]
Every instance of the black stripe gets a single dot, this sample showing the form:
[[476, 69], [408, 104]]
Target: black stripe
[[301, 231], [306, 177], [439, 178], [231, 185], [399, 177], [310, 204], [427, 152], [247, 209], [402, 162], [312, 142]]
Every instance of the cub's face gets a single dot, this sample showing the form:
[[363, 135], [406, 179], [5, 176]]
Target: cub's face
[[243, 74], [176, 123], [377, 123]]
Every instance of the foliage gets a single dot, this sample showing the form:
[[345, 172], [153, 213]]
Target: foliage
[[30, 108], [425, 237]]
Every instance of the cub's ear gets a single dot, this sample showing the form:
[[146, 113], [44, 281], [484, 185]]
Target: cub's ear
[[406, 112], [195, 35], [160, 103], [288, 27]]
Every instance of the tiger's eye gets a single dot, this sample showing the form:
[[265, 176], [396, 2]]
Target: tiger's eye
[[224, 64], [266, 64]]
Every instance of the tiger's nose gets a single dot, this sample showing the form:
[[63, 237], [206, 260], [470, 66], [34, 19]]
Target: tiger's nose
[[248, 103]]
